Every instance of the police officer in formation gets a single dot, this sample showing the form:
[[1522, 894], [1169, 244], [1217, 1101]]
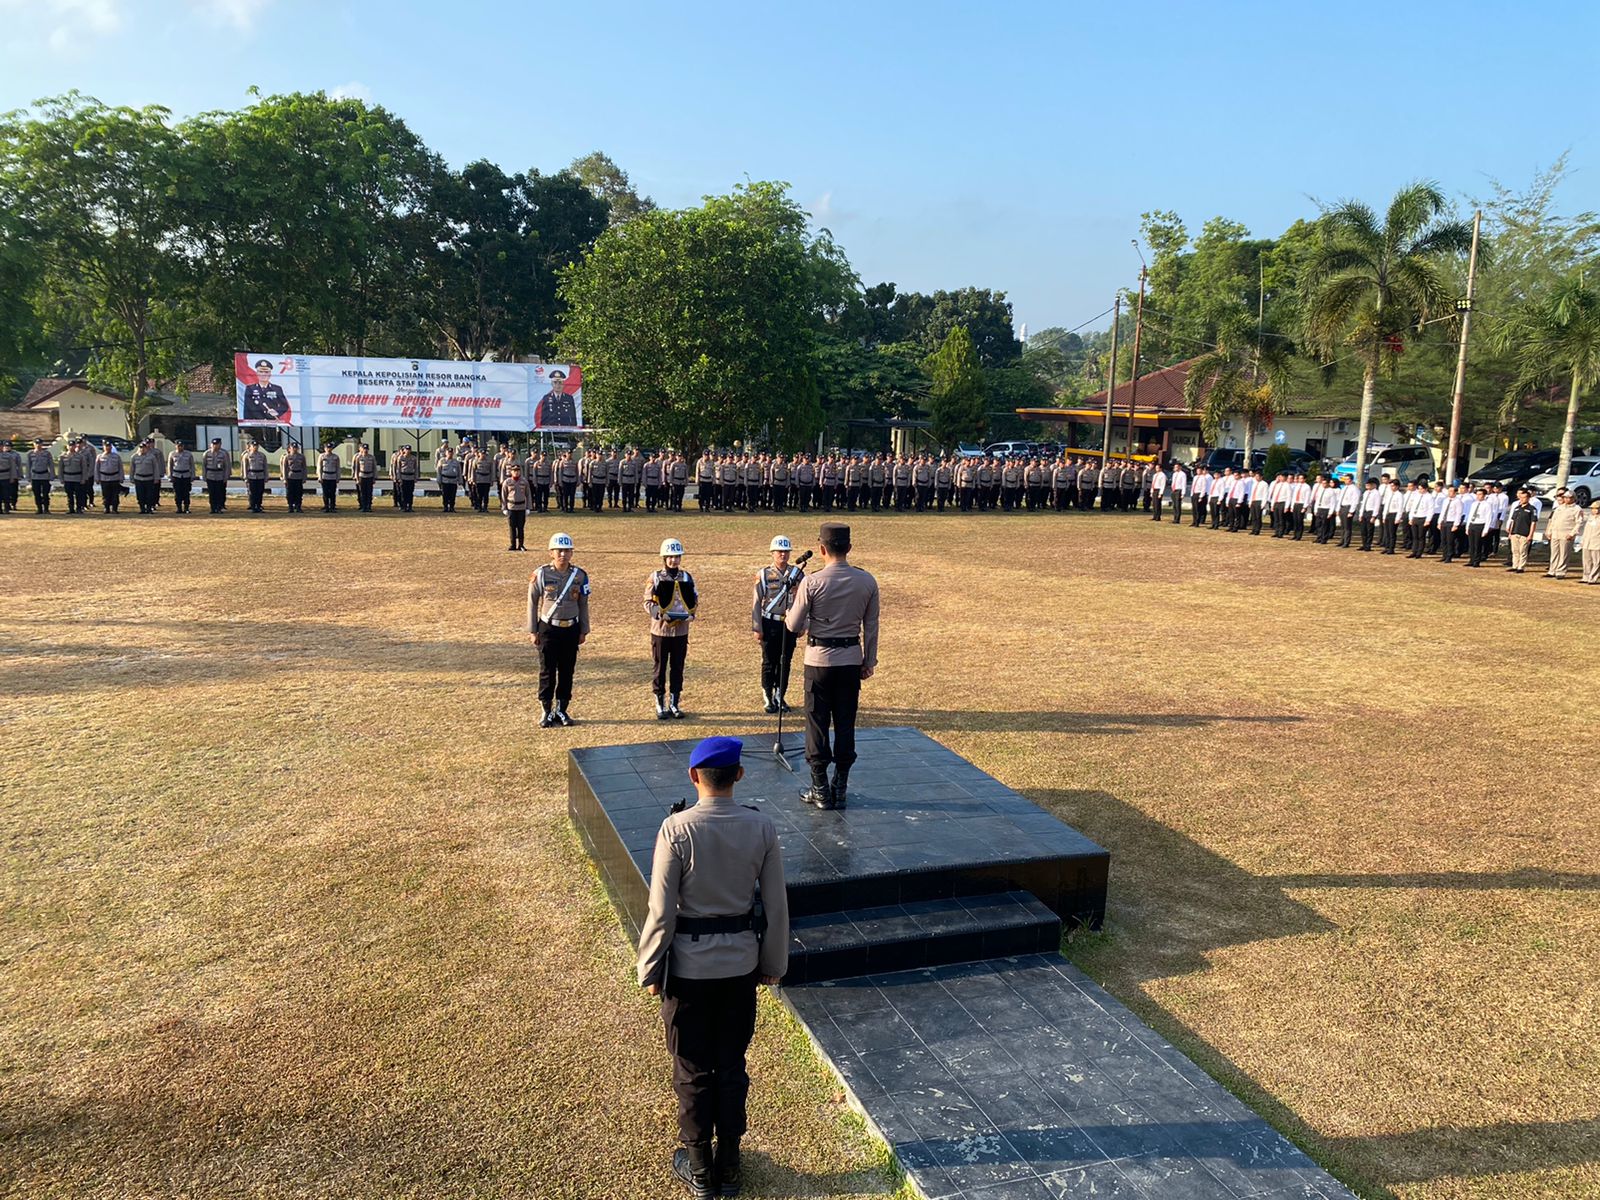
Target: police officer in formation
[[41, 466], [216, 465], [11, 471], [515, 498], [329, 470], [253, 466], [704, 948], [180, 469], [558, 621], [145, 469], [774, 593], [108, 476], [292, 468], [77, 474], [671, 601], [837, 610]]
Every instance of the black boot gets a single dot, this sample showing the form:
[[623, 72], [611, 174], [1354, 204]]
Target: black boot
[[692, 1164], [772, 700], [841, 780], [818, 795], [729, 1177]]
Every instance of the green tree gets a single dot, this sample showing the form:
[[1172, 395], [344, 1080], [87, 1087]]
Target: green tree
[[317, 218], [610, 183], [1555, 336], [703, 325], [1373, 284], [21, 338], [1246, 374], [956, 410], [99, 193]]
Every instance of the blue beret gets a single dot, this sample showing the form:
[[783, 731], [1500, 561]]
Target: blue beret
[[716, 752]]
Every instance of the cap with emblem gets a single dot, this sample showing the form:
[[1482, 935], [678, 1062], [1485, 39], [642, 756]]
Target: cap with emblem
[[216, 441], [835, 535], [561, 541], [716, 752], [670, 547], [780, 543]]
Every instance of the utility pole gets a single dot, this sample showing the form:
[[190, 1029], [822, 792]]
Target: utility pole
[[1465, 308], [1111, 387], [1133, 385]]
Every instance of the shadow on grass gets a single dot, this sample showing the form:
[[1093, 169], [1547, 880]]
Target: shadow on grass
[[1087, 723], [1474, 1150], [1522, 879]]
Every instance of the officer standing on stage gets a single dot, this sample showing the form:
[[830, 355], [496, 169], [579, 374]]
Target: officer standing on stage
[[558, 621], [704, 948], [774, 594], [837, 609]]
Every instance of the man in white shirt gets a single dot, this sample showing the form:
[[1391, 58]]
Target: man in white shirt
[[1260, 502], [1158, 491], [1450, 514], [1299, 502], [1200, 494], [1324, 506], [1394, 504], [1371, 513], [1480, 528], [1178, 485], [1349, 506]]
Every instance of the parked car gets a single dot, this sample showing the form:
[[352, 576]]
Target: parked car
[[1515, 468], [1345, 469], [1009, 449], [1409, 463], [1583, 481], [1220, 460], [968, 450]]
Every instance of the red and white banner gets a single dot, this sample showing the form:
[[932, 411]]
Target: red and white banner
[[406, 393]]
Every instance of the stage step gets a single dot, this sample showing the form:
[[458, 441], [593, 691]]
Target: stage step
[[921, 933]]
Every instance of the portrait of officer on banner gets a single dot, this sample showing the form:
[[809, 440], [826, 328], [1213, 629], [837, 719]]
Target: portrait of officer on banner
[[558, 408], [263, 400]]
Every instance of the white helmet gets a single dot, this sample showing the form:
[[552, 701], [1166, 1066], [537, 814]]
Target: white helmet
[[561, 541], [780, 543], [671, 546]]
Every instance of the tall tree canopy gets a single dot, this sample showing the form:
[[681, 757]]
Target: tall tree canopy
[[703, 325], [956, 411]]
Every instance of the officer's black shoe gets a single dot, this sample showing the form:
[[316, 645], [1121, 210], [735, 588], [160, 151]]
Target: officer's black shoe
[[818, 795], [662, 711], [561, 715], [772, 702], [674, 710], [783, 705], [730, 1179], [549, 719], [841, 780], [692, 1164]]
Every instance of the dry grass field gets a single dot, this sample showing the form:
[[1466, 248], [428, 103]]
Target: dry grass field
[[290, 905]]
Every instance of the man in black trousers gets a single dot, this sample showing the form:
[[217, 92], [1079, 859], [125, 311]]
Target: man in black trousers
[[837, 609]]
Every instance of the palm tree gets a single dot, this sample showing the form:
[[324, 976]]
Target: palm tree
[[1247, 373], [1371, 285], [1552, 335]]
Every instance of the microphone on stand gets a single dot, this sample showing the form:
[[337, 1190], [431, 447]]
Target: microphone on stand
[[796, 572]]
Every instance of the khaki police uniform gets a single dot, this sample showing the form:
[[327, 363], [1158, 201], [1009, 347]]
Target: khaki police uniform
[[558, 618], [180, 469], [837, 609]]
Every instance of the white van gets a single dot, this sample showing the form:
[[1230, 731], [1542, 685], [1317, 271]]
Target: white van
[[1408, 464]]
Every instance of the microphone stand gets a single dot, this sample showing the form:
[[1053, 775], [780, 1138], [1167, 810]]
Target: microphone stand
[[790, 579]]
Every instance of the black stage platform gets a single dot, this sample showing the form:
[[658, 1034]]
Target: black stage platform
[[932, 862]]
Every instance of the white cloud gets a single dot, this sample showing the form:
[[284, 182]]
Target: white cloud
[[64, 25], [238, 14], [351, 91]]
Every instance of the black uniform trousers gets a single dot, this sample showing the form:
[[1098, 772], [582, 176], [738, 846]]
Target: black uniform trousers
[[709, 1024], [147, 493], [407, 489], [258, 493], [294, 491], [667, 653], [217, 494], [1419, 536], [181, 487], [832, 697], [447, 493], [517, 521], [41, 495], [558, 656], [777, 654], [364, 494], [110, 496], [1368, 524], [330, 493], [8, 495]]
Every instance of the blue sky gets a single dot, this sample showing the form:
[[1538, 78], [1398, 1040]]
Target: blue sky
[[1001, 145]]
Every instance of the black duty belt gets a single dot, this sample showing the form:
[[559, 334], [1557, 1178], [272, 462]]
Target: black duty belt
[[833, 643], [696, 926]]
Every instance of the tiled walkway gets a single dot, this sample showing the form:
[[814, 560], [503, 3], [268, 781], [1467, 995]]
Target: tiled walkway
[[1020, 1079]]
